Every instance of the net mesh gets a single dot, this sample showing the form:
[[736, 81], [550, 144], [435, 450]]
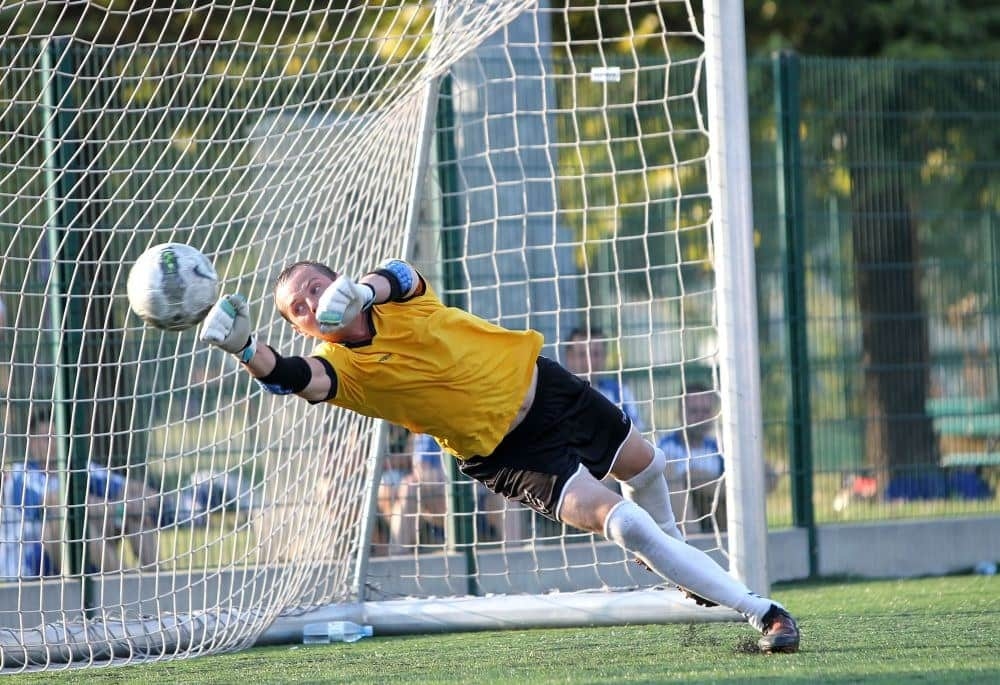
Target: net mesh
[[570, 196], [184, 507]]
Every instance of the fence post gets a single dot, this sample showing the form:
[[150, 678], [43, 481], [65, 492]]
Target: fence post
[[994, 311], [64, 238], [461, 533], [790, 205]]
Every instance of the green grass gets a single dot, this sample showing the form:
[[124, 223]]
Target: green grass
[[935, 630]]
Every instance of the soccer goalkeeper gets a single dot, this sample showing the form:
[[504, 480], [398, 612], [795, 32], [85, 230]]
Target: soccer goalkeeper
[[517, 422]]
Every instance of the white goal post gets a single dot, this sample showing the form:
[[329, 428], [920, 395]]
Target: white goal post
[[580, 171]]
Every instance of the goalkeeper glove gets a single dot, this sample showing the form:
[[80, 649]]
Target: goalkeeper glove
[[341, 303], [227, 326]]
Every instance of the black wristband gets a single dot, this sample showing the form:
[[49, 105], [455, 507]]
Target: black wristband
[[395, 287], [289, 375]]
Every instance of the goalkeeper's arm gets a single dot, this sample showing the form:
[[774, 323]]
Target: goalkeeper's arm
[[227, 326], [311, 378], [342, 302], [394, 280]]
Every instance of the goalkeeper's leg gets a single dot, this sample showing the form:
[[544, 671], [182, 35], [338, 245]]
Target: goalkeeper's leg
[[632, 528], [588, 504], [648, 488]]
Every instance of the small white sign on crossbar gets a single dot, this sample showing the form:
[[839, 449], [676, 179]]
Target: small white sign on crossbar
[[605, 74]]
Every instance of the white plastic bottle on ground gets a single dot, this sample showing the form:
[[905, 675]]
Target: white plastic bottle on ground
[[334, 631]]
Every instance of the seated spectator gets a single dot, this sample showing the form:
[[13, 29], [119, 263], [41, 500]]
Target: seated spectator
[[211, 492], [32, 513], [29, 512], [121, 508], [587, 357], [420, 504], [395, 467], [695, 464]]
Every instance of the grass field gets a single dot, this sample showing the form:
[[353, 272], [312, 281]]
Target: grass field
[[932, 630]]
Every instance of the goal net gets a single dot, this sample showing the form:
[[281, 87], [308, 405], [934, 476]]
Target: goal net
[[544, 168]]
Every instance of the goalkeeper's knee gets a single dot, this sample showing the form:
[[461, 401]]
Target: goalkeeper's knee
[[649, 490], [655, 469]]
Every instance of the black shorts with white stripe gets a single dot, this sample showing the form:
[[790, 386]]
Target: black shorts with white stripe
[[569, 424]]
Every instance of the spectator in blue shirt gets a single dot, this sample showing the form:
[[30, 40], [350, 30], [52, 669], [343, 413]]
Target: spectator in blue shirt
[[29, 515], [695, 464], [31, 512], [587, 357]]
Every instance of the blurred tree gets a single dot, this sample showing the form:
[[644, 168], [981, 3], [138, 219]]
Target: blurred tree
[[260, 23], [911, 29], [98, 66]]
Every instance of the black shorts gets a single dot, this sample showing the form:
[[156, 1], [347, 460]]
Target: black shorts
[[569, 424]]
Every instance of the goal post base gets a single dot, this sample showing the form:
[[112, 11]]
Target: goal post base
[[506, 612]]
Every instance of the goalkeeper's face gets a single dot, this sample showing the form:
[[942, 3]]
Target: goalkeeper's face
[[296, 294]]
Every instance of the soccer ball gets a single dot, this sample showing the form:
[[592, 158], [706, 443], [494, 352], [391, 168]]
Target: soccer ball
[[172, 286]]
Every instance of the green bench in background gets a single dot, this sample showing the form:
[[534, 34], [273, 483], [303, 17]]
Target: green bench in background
[[969, 430]]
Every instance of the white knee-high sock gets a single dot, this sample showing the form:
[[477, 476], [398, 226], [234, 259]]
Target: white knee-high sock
[[649, 490], [635, 530]]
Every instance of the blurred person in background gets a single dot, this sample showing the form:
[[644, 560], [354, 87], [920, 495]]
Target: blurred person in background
[[420, 503], [31, 509], [694, 461], [587, 357], [118, 508]]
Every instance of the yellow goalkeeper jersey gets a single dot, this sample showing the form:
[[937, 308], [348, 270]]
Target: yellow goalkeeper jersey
[[436, 370]]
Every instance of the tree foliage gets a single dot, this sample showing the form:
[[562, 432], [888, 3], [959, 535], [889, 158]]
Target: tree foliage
[[942, 156], [912, 29], [930, 155], [260, 23], [927, 29], [907, 135]]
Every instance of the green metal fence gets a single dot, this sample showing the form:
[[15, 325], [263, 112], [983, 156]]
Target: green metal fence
[[876, 209]]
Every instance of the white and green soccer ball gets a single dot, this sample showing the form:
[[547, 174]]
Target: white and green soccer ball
[[172, 286]]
